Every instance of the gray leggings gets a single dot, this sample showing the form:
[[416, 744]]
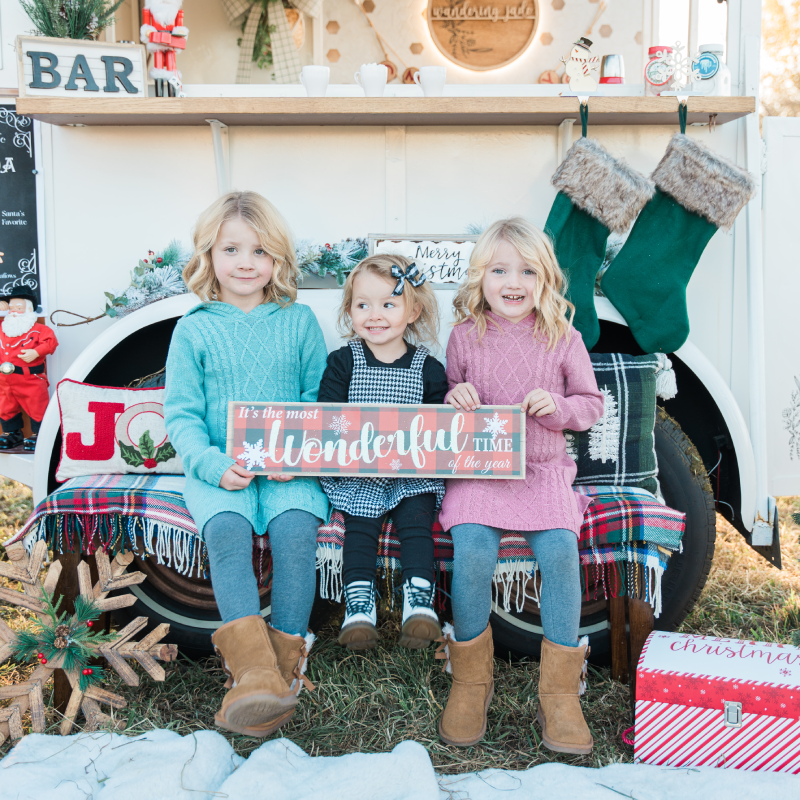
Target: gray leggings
[[475, 549], [293, 539]]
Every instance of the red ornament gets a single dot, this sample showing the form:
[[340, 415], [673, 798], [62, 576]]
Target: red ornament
[[159, 259], [150, 463], [42, 661], [86, 672], [40, 655], [145, 260], [90, 624]]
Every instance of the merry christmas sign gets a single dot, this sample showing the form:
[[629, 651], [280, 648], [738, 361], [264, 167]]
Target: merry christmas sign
[[717, 702], [377, 440], [439, 260]]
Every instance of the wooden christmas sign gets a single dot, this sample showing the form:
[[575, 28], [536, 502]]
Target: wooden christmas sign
[[482, 35], [50, 67], [377, 440], [439, 259]]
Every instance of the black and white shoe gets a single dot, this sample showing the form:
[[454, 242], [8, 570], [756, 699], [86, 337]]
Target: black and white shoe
[[359, 631], [420, 622], [29, 445], [11, 440]]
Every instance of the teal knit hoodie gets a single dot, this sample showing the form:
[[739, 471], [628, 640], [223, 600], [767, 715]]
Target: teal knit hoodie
[[219, 353]]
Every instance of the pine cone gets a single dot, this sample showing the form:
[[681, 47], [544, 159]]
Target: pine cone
[[62, 636]]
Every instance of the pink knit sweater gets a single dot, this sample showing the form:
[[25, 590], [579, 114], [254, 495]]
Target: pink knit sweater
[[507, 364]]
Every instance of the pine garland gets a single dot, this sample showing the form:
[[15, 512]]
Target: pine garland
[[337, 259], [72, 640], [159, 274], [154, 278]]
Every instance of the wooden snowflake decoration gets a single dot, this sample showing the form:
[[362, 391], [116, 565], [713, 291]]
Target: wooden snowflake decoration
[[117, 648]]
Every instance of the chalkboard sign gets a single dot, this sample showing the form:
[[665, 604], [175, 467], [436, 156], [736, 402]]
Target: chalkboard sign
[[19, 241]]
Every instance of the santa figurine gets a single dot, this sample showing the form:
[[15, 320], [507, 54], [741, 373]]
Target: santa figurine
[[163, 32], [579, 67], [24, 344]]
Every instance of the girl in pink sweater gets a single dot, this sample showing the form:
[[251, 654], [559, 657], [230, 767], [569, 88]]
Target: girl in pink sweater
[[513, 344]]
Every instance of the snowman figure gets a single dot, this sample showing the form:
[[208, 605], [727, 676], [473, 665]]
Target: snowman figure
[[580, 65]]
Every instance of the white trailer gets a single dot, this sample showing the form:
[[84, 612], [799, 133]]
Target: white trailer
[[116, 176]]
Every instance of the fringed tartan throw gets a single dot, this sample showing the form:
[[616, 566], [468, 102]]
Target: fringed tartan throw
[[625, 542]]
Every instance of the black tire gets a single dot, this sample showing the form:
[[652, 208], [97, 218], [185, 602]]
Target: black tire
[[191, 628], [685, 486]]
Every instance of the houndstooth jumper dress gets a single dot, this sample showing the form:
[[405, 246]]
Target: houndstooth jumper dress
[[373, 497]]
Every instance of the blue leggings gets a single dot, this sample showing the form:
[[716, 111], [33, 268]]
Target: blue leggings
[[293, 540], [475, 549]]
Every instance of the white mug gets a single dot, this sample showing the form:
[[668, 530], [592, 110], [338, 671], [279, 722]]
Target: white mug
[[315, 79], [372, 79], [431, 80]]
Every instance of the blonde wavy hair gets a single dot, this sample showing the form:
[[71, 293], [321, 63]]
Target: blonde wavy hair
[[554, 313], [424, 329], [273, 232]]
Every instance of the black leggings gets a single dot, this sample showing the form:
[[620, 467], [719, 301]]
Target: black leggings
[[413, 523]]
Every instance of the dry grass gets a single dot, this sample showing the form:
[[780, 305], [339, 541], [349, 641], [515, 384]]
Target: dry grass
[[370, 702], [745, 597]]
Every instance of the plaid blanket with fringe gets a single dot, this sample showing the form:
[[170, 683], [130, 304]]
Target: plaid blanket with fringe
[[624, 545]]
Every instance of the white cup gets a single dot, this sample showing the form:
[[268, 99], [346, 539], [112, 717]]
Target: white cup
[[431, 80], [315, 79], [372, 79]]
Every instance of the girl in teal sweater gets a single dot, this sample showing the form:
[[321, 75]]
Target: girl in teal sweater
[[249, 341]]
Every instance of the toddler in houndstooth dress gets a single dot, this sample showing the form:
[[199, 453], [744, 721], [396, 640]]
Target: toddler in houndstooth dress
[[386, 306]]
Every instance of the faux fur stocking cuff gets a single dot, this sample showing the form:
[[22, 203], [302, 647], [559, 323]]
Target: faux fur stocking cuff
[[602, 186], [703, 182]]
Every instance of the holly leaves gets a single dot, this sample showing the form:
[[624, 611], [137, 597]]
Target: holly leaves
[[165, 452], [130, 455], [146, 446], [146, 454]]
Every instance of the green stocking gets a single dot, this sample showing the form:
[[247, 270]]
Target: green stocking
[[697, 193], [597, 194]]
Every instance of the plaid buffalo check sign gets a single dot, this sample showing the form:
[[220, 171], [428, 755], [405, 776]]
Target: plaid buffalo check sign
[[424, 441]]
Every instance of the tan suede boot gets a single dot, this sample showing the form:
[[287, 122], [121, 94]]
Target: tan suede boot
[[259, 700], [562, 679], [292, 654], [463, 722]]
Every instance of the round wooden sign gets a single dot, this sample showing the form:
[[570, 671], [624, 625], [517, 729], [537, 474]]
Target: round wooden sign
[[485, 34]]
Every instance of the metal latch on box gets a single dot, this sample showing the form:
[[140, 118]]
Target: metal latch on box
[[733, 714]]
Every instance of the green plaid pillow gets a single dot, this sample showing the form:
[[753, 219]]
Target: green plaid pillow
[[619, 450]]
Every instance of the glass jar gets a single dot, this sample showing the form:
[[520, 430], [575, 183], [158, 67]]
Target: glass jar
[[657, 72], [712, 76]]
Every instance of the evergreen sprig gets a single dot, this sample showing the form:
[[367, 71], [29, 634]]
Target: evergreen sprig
[[70, 639], [338, 259], [71, 19]]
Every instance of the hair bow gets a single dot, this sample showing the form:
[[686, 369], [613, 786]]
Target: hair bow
[[412, 275]]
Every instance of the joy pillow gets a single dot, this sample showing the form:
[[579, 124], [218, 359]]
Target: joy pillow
[[108, 431]]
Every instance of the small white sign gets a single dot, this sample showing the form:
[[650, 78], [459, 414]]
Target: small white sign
[[440, 262], [49, 67]]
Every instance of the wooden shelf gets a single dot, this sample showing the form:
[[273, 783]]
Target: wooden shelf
[[269, 111], [17, 467]]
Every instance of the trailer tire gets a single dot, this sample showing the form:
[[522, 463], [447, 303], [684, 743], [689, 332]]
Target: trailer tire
[[685, 486], [191, 628]]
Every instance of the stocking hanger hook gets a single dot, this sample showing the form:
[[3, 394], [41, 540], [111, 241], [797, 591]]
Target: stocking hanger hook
[[683, 110], [584, 101]]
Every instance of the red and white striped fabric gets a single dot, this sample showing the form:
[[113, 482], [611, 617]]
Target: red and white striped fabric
[[685, 683]]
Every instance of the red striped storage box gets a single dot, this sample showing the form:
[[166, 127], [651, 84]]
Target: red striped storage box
[[708, 701]]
